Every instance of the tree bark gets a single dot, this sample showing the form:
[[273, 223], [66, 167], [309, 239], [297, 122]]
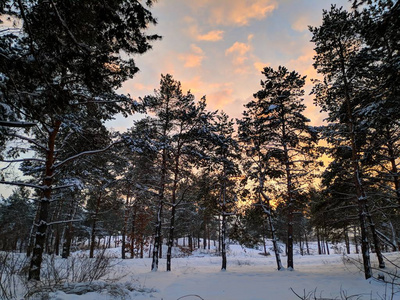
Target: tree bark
[[37, 252], [223, 225], [94, 222]]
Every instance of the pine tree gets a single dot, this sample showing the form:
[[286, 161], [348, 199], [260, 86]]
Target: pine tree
[[63, 68], [282, 144], [379, 66], [16, 217], [223, 155], [180, 122], [342, 94]]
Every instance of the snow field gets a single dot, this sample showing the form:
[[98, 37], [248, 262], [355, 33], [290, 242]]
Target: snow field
[[249, 276]]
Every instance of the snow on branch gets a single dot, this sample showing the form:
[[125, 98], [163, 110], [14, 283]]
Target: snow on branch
[[22, 160], [85, 153], [29, 140], [40, 187], [63, 187], [56, 222]]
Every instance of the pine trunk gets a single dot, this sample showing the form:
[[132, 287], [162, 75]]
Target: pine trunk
[[44, 207], [171, 237], [377, 243], [361, 195], [223, 225], [157, 238], [290, 208], [173, 209], [394, 171]]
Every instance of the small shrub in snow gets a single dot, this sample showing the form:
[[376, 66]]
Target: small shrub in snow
[[243, 262], [12, 266], [76, 275]]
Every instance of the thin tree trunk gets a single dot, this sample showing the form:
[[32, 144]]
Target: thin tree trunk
[[306, 240], [171, 236], [267, 210], [190, 243], [132, 234], [347, 240], [327, 247], [356, 240], [301, 246], [157, 235], [377, 243], [223, 225], [290, 208], [68, 231], [141, 247], [94, 223], [319, 242], [124, 227], [173, 209], [205, 235], [66, 251]]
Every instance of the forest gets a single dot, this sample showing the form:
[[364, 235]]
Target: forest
[[183, 171]]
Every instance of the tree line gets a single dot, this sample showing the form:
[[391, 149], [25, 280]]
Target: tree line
[[182, 170]]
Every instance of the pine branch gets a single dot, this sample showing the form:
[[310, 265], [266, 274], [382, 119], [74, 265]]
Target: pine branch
[[23, 160], [16, 124], [85, 153], [29, 140], [40, 187]]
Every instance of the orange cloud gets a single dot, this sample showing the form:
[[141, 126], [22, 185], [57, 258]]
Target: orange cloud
[[193, 59], [240, 12], [237, 47], [220, 99], [195, 85], [239, 53], [259, 66], [211, 36], [194, 31], [235, 12]]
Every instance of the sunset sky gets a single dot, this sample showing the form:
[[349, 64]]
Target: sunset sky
[[218, 48]]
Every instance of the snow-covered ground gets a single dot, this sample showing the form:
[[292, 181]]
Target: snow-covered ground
[[249, 276]]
